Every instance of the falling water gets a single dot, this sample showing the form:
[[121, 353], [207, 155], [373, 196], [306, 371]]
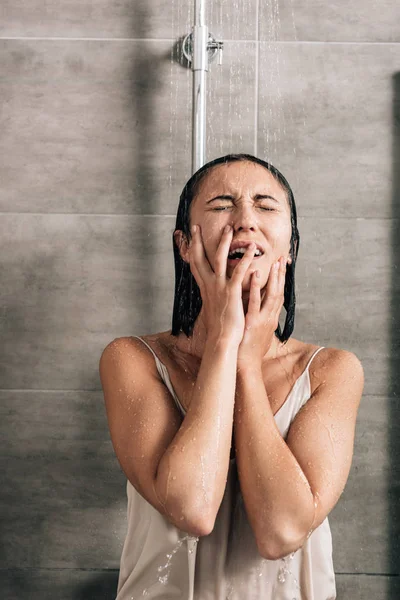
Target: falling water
[[164, 570]]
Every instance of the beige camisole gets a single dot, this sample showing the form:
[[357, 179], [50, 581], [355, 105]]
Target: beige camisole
[[160, 561]]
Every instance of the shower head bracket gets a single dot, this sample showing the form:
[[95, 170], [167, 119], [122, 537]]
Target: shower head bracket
[[214, 48]]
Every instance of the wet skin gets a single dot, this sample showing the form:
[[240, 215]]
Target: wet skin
[[243, 375], [246, 197]]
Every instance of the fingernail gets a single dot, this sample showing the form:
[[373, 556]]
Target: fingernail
[[258, 274], [227, 228], [276, 265], [194, 228]]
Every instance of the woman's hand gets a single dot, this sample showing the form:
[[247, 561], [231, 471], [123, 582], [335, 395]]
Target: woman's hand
[[262, 315], [222, 304]]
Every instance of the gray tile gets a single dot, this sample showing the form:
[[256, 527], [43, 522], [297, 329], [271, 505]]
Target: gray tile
[[315, 20], [63, 497], [101, 585], [29, 417], [86, 129], [363, 523], [61, 481], [67, 584], [124, 19], [325, 120], [359, 587], [69, 538], [344, 287], [70, 284]]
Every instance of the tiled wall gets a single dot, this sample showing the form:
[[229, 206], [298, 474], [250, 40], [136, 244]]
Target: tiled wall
[[95, 146]]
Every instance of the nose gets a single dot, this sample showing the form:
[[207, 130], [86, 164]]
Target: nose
[[245, 218]]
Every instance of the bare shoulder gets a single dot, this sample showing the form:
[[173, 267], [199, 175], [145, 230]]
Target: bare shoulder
[[335, 367], [127, 348]]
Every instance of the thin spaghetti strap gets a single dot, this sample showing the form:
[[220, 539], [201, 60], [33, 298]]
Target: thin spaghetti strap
[[163, 372], [315, 353], [149, 347]]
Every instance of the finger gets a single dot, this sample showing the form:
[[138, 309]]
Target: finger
[[244, 263], [196, 274], [281, 287], [282, 278], [272, 289], [197, 255], [255, 294], [221, 256]]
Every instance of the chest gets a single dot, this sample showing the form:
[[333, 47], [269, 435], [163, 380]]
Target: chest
[[279, 380]]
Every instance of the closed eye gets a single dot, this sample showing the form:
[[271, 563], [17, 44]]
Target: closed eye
[[221, 208], [267, 208]]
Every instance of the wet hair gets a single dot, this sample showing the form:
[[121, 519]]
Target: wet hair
[[187, 299]]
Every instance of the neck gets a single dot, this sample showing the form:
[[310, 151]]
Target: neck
[[194, 345]]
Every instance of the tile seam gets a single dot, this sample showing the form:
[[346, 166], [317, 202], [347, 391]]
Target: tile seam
[[171, 40], [96, 390], [173, 216], [257, 77], [116, 570]]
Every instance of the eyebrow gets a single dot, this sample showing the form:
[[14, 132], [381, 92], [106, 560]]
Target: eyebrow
[[256, 197]]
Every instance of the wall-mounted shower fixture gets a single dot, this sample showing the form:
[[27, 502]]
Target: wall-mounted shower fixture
[[200, 48], [213, 48]]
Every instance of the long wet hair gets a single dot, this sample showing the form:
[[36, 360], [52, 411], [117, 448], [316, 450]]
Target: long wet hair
[[187, 299]]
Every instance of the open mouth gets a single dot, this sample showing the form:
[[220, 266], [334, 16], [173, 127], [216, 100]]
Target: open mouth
[[238, 254]]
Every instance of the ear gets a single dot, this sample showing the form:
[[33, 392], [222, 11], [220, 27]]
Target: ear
[[183, 244]]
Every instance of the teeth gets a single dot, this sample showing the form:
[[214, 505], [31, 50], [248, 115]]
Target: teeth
[[242, 250]]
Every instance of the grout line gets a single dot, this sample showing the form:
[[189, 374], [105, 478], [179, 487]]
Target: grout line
[[368, 574], [95, 390], [88, 214], [257, 59], [173, 216], [58, 569], [105, 39], [171, 40], [116, 570], [49, 391], [338, 43], [86, 39]]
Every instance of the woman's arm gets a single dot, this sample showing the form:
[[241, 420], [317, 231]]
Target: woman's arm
[[180, 467], [290, 487], [182, 470], [193, 471]]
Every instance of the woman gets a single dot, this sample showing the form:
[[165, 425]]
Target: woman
[[234, 447]]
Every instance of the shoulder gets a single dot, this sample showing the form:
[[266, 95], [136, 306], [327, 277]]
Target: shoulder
[[328, 364], [336, 359], [336, 367], [127, 350], [121, 346]]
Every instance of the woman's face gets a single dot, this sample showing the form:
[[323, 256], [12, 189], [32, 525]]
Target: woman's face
[[247, 197]]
